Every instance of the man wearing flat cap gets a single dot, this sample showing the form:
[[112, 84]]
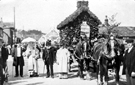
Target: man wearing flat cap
[[129, 60]]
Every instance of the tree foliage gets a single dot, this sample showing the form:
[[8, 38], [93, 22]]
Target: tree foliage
[[110, 24], [36, 34], [113, 23]]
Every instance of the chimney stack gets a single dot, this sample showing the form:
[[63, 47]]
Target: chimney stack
[[1, 19], [106, 21], [1, 22], [82, 3]]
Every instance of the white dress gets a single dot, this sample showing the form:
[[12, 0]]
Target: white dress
[[32, 67], [63, 60]]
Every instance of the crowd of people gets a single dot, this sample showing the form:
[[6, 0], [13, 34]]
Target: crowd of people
[[61, 55], [50, 53]]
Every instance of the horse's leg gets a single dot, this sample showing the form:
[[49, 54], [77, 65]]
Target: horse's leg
[[94, 63], [106, 78], [117, 69], [88, 73], [70, 62], [101, 71], [81, 68], [99, 77], [100, 74], [78, 73]]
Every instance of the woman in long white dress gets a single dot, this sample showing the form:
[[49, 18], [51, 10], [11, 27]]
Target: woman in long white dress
[[32, 53], [63, 61]]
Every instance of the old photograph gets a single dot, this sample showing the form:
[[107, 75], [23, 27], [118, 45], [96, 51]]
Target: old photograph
[[67, 42]]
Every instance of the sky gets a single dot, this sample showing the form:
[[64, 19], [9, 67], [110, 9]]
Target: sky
[[45, 15]]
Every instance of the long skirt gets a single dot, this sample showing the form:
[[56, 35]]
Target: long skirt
[[32, 65]]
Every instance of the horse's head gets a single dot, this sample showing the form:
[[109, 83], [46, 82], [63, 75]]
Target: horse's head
[[113, 47]]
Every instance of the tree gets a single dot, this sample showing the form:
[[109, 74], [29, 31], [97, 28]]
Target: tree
[[110, 25], [30, 33]]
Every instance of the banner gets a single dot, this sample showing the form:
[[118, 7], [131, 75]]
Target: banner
[[85, 28]]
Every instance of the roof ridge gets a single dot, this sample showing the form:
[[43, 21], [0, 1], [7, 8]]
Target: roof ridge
[[77, 12]]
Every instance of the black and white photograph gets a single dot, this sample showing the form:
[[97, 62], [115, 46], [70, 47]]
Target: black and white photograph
[[67, 42]]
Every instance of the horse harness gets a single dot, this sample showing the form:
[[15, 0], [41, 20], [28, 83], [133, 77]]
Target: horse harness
[[84, 50], [107, 57]]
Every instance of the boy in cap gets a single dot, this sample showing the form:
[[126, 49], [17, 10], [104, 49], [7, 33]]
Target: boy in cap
[[129, 59]]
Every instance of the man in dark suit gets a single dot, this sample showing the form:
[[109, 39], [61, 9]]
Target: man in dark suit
[[130, 62], [18, 59], [49, 58]]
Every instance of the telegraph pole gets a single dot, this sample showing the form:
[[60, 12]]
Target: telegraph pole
[[14, 17], [14, 32]]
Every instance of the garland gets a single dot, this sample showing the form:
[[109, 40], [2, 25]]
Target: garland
[[73, 30]]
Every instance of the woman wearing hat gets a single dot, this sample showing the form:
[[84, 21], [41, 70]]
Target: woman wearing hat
[[33, 55], [129, 59]]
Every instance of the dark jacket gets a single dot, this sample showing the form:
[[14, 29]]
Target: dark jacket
[[49, 55], [4, 53], [130, 61], [14, 54], [1, 72]]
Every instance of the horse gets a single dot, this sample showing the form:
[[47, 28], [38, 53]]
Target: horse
[[82, 55], [108, 54]]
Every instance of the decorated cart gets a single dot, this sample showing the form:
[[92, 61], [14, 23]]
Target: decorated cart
[[82, 21]]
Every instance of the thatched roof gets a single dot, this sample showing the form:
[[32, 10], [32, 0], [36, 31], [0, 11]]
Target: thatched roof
[[125, 31], [121, 31], [73, 16]]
